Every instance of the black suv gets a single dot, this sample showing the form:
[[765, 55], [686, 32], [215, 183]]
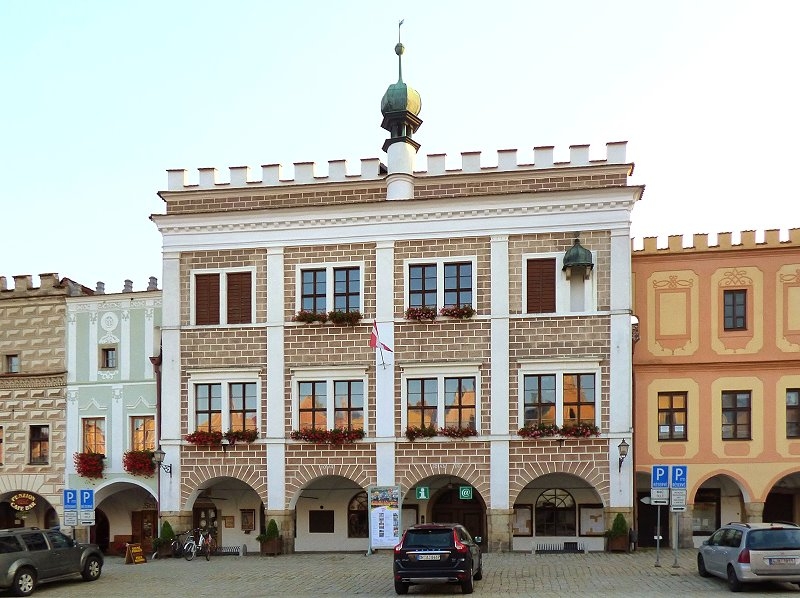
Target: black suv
[[437, 553], [29, 555]]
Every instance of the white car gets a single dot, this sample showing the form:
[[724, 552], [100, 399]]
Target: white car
[[752, 552]]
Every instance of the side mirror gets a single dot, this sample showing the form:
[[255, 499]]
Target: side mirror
[[705, 542], [477, 539]]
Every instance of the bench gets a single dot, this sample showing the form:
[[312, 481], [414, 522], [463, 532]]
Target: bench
[[228, 550], [559, 548]]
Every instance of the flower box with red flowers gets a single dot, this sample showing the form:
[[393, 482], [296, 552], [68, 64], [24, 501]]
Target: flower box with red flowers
[[89, 465], [204, 437], [421, 313], [580, 430], [139, 463], [461, 312], [414, 432], [234, 436], [335, 436], [539, 431], [345, 318], [309, 317], [456, 432]]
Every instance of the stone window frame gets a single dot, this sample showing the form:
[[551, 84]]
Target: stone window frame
[[330, 295], [223, 377], [328, 375], [565, 287], [440, 263], [224, 311], [440, 373], [559, 368], [12, 363]]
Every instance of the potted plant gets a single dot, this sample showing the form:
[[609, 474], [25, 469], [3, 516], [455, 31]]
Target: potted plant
[[89, 465], [345, 318], [163, 543], [421, 313], [139, 463], [270, 540], [617, 536]]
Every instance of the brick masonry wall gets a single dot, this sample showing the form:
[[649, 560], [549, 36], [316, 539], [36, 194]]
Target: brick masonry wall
[[326, 254], [560, 338], [455, 248], [218, 259], [596, 241], [583, 457], [302, 196]]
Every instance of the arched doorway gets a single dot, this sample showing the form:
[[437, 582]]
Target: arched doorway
[[449, 507], [100, 533]]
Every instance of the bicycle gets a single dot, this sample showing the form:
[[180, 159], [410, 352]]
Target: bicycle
[[176, 546], [204, 545]]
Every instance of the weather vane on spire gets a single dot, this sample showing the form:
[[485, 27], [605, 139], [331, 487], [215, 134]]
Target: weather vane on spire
[[398, 49]]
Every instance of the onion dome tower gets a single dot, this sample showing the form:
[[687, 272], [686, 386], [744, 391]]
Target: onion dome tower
[[400, 107]]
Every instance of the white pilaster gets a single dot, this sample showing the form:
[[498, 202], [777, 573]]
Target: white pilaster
[[498, 474], [275, 343], [116, 424], [499, 337], [125, 347], [385, 372], [276, 479], [171, 382], [72, 347]]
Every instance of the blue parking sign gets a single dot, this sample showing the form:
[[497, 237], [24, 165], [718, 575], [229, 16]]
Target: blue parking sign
[[87, 500], [660, 476], [679, 474], [70, 500]]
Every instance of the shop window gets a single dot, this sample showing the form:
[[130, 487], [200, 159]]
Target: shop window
[[706, 511], [320, 522], [555, 513]]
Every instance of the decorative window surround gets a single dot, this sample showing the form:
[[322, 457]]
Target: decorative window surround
[[440, 263], [224, 378], [440, 372], [329, 375], [329, 283], [559, 368]]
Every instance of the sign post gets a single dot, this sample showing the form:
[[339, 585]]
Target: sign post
[[677, 482], [659, 486], [87, 506], [70, 507]]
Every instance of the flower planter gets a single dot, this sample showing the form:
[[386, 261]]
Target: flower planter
[[89, 465], [139, 463], [271, 547], [335, 436], [202, 437]]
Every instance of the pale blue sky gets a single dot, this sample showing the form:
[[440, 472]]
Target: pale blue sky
[[101, 97]]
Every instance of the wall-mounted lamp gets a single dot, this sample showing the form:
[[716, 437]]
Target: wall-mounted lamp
[[623, 452], [158, 459], [225, 442]]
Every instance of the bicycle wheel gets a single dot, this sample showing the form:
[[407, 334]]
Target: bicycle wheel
[[189, 551], [207, 549]]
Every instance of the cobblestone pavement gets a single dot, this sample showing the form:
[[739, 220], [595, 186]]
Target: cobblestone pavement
[[337, 574]]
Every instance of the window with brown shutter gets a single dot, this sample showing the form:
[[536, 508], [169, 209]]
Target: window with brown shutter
[[239, 298], [206, 299], [541, 285]]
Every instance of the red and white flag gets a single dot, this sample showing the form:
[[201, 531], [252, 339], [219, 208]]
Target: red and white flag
[[375, 341]]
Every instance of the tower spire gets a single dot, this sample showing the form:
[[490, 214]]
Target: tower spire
[[400, 107]]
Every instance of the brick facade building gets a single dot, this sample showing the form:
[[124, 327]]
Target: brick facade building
[[548, 344]]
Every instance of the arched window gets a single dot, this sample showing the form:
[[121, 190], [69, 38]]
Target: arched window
[[555, 513], [357, 520]]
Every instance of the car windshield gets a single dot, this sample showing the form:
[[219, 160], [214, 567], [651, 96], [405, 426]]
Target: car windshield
[[774, 539], [429, 538]]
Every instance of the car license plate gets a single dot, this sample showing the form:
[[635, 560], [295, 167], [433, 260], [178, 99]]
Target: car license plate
[[428, 557], [783, 561]]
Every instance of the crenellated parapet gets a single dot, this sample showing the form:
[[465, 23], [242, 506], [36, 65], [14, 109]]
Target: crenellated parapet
[[306, 173], [700, 242], [51, 284]]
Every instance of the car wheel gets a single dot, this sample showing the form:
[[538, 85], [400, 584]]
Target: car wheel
[[701, 566], [401, 587], [24, 582], [479, 573], [467, 586], [92, 568], [733, 582]]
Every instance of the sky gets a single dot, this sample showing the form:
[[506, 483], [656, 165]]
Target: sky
[[100, 98]]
